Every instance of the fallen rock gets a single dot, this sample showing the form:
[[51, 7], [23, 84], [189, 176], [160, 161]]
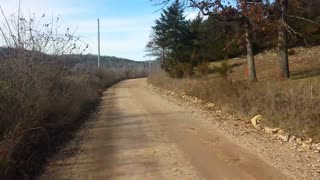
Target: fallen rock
[[306, 146], [299, 141], [309, 141], [210, 105], [281, 131], [292, 138], [268, 130], [272, 130], [256, 121], [284, 137]]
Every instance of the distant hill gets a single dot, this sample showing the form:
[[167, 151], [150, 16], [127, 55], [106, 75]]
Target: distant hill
[[113, 63], [90, 60]]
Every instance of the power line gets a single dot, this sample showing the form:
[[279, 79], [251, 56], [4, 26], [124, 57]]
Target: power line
[[98, 44]]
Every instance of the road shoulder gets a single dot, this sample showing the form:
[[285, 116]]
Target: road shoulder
[[299, 165]]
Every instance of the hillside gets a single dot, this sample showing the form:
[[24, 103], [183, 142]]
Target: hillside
[[140, 68], [112, 61], [304, 62], [291, 105], [74, 62]]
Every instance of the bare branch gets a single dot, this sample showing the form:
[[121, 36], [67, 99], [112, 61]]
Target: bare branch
[[304, 19]]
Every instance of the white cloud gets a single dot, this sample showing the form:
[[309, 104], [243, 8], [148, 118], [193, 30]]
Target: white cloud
[[191, 15]]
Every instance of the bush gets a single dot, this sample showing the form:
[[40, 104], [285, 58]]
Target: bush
[[291, 52], [202, 70], [223, 69], [41, 102]]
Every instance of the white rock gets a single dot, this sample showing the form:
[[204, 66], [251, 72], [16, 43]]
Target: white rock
[[292, 138], [284, 138], [309, 141], [268, 130], [272, 130], [256, 120], [306, 146], [299, 141], [280, 131], [210, 105]]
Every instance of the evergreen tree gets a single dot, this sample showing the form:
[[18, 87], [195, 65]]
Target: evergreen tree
[[173, 36]]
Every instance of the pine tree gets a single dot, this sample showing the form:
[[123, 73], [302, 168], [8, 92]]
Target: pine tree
[[172, 34]]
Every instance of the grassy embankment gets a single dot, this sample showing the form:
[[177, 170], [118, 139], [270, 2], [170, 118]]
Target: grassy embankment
[[292, 105]]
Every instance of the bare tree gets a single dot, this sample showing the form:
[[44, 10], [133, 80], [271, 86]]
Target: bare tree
[[39, 35]]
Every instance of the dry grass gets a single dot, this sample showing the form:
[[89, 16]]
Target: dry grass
[[304, 62], [292, 105], [41, 103]]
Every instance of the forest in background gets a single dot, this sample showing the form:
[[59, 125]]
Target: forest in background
[[226, 30]]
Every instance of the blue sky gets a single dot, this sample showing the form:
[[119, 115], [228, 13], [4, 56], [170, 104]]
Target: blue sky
[[125, 24]]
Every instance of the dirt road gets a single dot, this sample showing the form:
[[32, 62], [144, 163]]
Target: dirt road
[[137, 134]]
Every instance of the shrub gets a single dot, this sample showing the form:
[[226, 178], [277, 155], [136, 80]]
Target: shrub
[[202, 70], [223, 69], [41, 102], [291, 52]]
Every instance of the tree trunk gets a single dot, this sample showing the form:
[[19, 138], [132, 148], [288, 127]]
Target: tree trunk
[[282, 41], [250, 57], [162, 58]]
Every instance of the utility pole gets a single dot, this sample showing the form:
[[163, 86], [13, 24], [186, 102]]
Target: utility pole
[[98, 44], [150, 66]]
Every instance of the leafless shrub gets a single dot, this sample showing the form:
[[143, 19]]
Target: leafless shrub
[[40, 35]]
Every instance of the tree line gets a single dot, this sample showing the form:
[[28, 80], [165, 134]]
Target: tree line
[[225, 29]]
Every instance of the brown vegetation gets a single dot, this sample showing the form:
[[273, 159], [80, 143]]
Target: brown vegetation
[[46, 91], [41, 103], [292, 105]]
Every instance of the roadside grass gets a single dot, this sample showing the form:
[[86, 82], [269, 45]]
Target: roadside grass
[[41, 104], [292, 105]]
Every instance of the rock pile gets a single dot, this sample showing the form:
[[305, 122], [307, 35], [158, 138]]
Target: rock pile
[[299, 144]]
